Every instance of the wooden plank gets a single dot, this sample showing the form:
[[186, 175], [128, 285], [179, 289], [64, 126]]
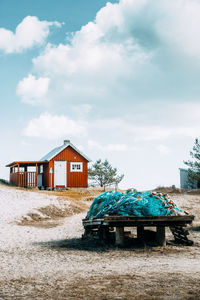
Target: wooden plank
[[156, 218], [103, 233], [149, 218], [140, 221], [132, 221], [160, 236], [140, 232], [133, 224], [119, 236], [175, 223], [36, 175], [18, 181], [106, 235]]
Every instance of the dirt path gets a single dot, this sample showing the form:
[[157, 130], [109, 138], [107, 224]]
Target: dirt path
[[54, 263]]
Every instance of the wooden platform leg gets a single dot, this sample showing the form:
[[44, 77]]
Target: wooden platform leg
[[106, 234], [119, 236], [140, 232], [160, 235], [87, 233]]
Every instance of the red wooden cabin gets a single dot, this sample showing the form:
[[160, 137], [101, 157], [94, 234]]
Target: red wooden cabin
[[64, 166]]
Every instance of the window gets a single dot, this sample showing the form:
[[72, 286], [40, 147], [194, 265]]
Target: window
[[31, 169], [76, 167]]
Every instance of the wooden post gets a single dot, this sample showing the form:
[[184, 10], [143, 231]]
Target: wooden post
[[18, 177], [103, 234], [119, 236], [87, 233], [106, 234], [36, 175], [140, 232], [11, 171], [160, 236]]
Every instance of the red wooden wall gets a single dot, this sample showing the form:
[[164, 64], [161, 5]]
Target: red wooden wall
[[45, 178], [74, 179], [14, 179], [24, 179]]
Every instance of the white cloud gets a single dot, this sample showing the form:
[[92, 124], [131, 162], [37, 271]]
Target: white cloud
[[133, 50], [107, 147], [120, 131], [145, 133], [33, 91], [49, 126], [30, 32], [81, 110], [180, 25], [163, 149]]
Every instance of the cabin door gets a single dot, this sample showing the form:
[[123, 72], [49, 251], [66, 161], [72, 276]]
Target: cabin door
[[60, 173]]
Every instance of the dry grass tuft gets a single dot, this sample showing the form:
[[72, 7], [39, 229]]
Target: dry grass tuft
[[170, 190], [193, 192], [52, 215]]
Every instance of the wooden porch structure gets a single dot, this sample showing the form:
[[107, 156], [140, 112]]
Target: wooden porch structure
[[102, 227], [21, 176]]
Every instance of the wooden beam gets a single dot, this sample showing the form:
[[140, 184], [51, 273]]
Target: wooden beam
[[140, 232], [119, 236], [36, 175], [160, 236], [103, 233], [18, 178], [106, 235]]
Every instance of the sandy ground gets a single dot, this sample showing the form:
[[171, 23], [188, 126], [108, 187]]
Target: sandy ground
[[52, 262]]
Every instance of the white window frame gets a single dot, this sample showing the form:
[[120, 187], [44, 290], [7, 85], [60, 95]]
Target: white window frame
[[74, 169]]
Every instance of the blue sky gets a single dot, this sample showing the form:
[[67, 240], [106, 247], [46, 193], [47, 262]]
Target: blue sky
[[119, 79]]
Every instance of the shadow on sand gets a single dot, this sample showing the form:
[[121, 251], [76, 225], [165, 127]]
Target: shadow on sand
[[75, 244], [194, 228], [93, 245]]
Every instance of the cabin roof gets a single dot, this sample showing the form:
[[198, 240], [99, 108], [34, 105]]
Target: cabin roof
[[57, 150]]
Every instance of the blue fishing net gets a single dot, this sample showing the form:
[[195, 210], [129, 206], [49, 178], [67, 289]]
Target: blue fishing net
[[134, 203]]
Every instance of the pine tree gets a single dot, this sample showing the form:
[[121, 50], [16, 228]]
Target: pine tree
[[194, 164], [103, 174]]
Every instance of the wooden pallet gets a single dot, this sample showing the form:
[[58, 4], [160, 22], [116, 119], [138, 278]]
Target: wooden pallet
[[101, 227]]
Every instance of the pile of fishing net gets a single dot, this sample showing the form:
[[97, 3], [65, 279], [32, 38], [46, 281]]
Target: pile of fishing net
[[133, 203]]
